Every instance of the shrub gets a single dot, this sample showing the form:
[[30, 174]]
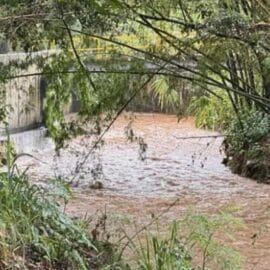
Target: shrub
[[164, 253], [201, 233], [36, 234], [247, 145], [190, 241], [248, 130], [211, 112]]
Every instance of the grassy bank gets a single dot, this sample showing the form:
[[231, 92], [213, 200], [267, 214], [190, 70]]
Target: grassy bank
[[36, 234]]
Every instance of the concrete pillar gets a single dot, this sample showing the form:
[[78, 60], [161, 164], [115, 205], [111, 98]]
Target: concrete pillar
[[4, 46]]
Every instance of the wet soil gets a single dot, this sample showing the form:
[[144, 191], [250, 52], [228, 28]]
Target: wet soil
[[173, 167]]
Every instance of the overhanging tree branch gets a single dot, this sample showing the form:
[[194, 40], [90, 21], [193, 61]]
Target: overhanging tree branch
[[210, 81]]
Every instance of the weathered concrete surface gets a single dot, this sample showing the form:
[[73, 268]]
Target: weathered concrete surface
[[23, 95]]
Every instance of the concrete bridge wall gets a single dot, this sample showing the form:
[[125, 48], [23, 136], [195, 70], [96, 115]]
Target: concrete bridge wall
[[24, 97]]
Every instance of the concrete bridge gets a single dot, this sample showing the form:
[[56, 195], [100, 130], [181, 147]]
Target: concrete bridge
[[23, 101], [25, 95]]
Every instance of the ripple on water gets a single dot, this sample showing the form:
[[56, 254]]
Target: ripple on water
[[171, 165]]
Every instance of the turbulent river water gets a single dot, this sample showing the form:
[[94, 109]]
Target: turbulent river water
[[172, 167]]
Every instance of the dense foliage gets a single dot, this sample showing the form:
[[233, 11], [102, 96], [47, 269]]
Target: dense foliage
[[194, 234], [247, 145], [221, 45], [212, 112], [36, 234]]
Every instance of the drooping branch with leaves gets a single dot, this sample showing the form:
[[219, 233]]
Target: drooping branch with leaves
[[213, 45]]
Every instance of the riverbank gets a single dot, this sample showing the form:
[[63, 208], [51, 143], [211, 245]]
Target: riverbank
[[190, 170]]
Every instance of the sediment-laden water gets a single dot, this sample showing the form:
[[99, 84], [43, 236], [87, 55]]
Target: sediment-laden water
[[172, 167]]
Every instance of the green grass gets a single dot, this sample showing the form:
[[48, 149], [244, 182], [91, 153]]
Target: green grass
[[191, 243], [36, 234]]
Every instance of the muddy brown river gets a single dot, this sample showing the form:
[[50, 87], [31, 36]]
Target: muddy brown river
[[172, 167]]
